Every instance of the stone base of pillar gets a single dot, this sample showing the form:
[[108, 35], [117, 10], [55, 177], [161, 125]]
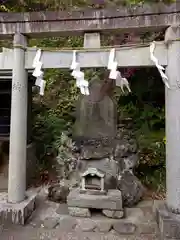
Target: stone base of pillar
[[169, 223], [17, 213]]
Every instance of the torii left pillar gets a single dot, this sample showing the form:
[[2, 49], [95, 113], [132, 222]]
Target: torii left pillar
[[18, 132], [19, 204]]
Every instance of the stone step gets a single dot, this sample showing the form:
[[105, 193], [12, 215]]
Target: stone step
[[28, 233], [52, 221], [138, 221], [118, 227]]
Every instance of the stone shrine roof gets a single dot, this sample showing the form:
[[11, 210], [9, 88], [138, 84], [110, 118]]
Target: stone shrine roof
[[92, 172]]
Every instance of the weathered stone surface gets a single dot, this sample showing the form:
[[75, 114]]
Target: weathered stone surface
[[135, 214], [95, 153], [169, 223], [126, 141], [50, 223], [131, 188], [79, 212], [67, 224], [44, 234], [130, 161], [86, 225], [93, 192], [123, 227], [126, 154], [147, 204], [148, 214], [58, 193], [144, 18], [17, 213], [103, 226], [123, 148], [37, 223], [147, 228], [111, 201], [62, 209], [113, 214], [96, 113], [48, 209]]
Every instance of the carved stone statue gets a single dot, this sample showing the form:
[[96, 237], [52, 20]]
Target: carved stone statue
[[96, 113]]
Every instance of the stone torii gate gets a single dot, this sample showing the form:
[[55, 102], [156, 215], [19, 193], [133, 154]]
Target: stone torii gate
[[38, 24]]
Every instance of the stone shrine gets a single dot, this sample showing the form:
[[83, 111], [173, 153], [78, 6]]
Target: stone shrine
[[106, 160]]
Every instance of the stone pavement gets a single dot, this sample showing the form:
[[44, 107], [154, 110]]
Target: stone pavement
[[51, 221]]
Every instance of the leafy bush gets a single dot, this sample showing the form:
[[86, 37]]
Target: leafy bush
[[65, 157]]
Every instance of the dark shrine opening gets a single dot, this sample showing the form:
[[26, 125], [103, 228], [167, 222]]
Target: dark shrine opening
[[93, 182], [5, 105], [5, 115]]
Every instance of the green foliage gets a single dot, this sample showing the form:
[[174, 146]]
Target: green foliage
[[145, 106], [53, 114], [43, 5], [65, 157]]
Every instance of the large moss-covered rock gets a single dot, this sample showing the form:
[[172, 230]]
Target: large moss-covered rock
[[131, 188]]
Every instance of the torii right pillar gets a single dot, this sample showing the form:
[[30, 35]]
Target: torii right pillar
[[169, 213]]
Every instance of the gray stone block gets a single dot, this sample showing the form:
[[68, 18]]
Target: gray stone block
[[79, 212], [50, 223], [86, 225], [169, 223], [111, 201], [113, 214], [62, 209], [67, 224], [148, 228], [16, 213], [123, 227], [103, 226]]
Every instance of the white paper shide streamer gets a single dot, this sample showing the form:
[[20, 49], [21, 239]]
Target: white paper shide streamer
[[160, 68], [112, 65], [122, 82], [81, 83], [38, 73], [115, 74]]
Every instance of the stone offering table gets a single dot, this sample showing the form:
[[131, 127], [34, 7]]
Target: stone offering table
[[81, 204]]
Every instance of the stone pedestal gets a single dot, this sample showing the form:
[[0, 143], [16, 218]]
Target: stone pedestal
[[16, 213], [169, 223], [81, 204]]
